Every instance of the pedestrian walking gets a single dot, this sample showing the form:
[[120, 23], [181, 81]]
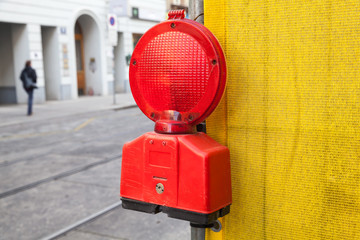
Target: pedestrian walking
[[28, 78]]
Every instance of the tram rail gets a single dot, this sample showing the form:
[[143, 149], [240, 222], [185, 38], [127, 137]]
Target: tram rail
[[58, 176]]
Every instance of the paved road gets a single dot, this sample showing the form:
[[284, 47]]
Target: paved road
[[59, 169]]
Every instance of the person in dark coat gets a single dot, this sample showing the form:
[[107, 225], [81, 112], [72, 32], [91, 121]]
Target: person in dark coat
[[28, 78]]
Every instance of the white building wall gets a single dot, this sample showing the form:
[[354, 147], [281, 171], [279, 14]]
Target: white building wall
[[21, 53], [154, 10], [151, 12], [35, 48], [51, 62], [26, 19], [47, 12], [61, 14]]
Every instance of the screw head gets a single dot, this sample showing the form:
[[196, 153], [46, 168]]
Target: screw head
[[159, 188], [172, 25], [151, 141]]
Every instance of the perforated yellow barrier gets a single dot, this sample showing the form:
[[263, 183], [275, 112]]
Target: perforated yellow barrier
[[291, 117]]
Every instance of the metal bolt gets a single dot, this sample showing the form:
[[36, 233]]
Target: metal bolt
[[217, 226], [134, 62], [159, 188], [164, 143], [151, 141], [214, 62], [173, 25]]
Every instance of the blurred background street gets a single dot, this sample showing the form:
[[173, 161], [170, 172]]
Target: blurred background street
[[62, 165], [60, 168]]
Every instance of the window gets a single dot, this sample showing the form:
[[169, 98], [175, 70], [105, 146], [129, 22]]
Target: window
[[135, 12], [136, 38]]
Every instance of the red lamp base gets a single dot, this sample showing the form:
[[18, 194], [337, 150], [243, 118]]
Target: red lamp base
[[186, 176]]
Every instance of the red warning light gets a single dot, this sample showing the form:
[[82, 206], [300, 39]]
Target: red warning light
[[177, 77], [177, 74]]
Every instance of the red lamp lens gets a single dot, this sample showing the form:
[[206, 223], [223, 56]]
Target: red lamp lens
[[178, 72], [174, 72]]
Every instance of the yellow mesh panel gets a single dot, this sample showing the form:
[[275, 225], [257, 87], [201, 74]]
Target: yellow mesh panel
[[291, 117]]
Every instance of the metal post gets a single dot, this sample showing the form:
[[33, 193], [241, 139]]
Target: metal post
[[114, 82], [196, 7], [114, 93], [197, 233]]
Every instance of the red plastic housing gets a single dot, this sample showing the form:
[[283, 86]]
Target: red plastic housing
[[193, 169]]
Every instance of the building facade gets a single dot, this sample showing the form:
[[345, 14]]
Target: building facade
[[177, 4], [72, 45], [135, 17]]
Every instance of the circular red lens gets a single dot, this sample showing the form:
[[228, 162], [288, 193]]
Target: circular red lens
[[172, 70], [177, 72]]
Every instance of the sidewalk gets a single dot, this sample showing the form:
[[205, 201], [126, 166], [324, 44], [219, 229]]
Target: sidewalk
[[16, 113]]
